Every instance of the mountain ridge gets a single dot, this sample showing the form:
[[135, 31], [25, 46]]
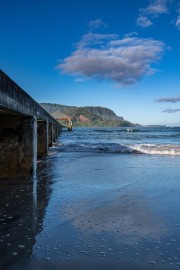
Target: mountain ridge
[[88, 115]]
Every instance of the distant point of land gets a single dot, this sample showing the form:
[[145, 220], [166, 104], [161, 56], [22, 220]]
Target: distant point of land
[[89, 116]]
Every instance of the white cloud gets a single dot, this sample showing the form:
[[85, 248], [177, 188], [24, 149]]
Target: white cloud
[[178, 20], [170, 100], [171, 110], [95, 39], [79, 79], [124, 61], [144, 21], [96, 24], [154, 9]]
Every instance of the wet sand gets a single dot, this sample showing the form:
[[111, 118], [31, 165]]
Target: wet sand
[[93, 212]]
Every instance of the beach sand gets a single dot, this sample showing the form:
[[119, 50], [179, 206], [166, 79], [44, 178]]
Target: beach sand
[[93, 212]]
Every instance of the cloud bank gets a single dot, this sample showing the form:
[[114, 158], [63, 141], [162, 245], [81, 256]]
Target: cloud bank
[[105, 56], [170, 100]]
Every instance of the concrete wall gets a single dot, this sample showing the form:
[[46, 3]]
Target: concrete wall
[[26, 130], [17, 146], [15, 98], [42, 139], [50, 135]]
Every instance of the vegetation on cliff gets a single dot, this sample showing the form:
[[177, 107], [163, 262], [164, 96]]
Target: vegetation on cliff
[[89, 116]]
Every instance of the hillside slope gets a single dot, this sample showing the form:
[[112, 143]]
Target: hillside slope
[[89, 115]]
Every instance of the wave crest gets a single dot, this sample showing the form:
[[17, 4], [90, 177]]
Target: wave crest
[[155, 149], [152, 149]]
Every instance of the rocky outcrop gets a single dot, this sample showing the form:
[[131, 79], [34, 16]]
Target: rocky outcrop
[[83, 119]]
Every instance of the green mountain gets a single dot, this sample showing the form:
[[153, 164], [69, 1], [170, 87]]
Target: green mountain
[[89, 115]]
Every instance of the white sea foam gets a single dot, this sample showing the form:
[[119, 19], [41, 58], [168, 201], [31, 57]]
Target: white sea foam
[[156, 149], [131, 140], [153, 149]]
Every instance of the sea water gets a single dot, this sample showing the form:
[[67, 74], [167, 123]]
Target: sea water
[[149, 140], [105, 198]]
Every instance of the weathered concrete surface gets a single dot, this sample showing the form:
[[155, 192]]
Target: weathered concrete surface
[[17, 145], [24, 126], [50, 135], [42, 139], [15, 98]]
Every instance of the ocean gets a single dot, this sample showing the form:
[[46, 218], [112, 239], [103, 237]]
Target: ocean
[[147, 140], [104, 198]]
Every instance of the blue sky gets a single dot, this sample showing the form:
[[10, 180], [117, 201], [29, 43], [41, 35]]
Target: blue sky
[[123, 55]]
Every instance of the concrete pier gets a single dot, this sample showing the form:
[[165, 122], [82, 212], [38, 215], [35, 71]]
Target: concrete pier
[[26, 130], [59, 116]]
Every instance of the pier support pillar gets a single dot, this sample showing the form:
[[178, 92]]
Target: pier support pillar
[[17, 146], [54, 132], [50, 139], [42, 138]]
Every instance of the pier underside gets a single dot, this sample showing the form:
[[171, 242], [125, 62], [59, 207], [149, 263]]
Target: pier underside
[[22, 139], [17, 143]]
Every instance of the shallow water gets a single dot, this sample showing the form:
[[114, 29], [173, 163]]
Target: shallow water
[[93, 210]]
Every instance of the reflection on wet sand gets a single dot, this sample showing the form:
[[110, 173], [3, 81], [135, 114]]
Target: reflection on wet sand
[[73, 217], [21, 216]]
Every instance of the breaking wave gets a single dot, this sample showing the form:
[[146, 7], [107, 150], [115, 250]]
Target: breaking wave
[[167, 149], [151, 149], [120, 130]]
